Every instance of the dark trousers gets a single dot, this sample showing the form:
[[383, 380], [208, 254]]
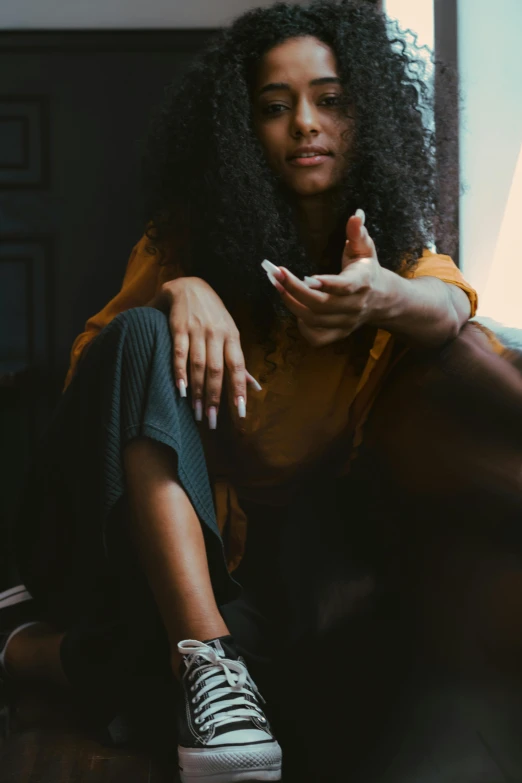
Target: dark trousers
[[319, 594], [75, 556]]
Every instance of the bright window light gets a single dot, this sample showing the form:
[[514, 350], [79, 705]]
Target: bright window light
[[500, 299], [415, 15]]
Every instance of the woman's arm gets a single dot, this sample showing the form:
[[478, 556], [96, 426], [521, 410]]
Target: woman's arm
[[425, 310], [205, 338], [427, 305]]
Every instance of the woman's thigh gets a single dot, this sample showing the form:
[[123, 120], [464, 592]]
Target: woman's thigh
[[447, 425]]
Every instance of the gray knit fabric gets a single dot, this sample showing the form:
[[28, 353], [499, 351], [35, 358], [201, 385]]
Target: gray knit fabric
[[123, 389]]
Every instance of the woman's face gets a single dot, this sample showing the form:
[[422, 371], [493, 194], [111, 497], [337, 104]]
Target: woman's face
[[296, 106]]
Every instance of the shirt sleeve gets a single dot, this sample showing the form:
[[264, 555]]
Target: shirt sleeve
[[143, 277], [443, 268]]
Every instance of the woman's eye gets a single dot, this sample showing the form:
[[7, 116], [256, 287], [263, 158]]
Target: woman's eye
[[278, 108], [272, 108], [332, 100]]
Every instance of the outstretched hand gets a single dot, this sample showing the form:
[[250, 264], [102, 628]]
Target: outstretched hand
[[330, 307]]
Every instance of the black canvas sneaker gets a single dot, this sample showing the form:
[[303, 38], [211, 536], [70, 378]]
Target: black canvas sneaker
[[223, 734]]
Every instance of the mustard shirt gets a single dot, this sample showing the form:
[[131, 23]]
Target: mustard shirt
[[309, 415]]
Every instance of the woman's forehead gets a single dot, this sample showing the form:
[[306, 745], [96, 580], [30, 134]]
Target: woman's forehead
[[297, 61]]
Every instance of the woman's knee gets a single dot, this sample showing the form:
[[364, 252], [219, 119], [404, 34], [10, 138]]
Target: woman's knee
[[141, 338], [143, 325], [134, 335]]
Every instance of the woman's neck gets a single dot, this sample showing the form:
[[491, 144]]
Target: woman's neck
[[316, 219]]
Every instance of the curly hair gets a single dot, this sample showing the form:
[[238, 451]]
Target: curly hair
[[206, 178]]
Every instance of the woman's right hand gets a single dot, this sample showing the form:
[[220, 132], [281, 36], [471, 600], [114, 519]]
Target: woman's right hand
[[206, 338]]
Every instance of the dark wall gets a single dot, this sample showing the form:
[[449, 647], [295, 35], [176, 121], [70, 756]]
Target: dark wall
[[74, 107]]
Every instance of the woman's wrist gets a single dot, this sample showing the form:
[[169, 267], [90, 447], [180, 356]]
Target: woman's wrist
[[388, 300], [420, 310], [162, 300]]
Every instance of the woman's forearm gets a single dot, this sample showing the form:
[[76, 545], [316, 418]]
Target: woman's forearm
[[423, 310]]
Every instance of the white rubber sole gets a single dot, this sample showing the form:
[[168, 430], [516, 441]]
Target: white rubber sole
[[231, 763], [15, 595]]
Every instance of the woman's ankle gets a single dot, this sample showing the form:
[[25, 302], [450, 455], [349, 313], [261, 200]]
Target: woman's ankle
[[212, 632]]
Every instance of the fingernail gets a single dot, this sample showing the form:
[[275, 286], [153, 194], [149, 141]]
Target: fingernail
[[182, 388], [212, 418], [311, 282], [241, 407], [198, 410], [360, 214], [257, 386], [270, 268]]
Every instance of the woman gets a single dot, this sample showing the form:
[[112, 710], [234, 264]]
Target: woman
[[296, 137]]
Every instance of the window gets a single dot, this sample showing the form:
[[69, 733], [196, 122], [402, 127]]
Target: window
[[490, 68]]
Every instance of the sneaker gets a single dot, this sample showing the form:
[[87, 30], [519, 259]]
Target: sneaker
[[17, 611], [16, 606], [223, 734]]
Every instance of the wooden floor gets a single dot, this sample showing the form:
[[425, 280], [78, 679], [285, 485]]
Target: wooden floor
[[458, 718], [448, 729], [454, 731], [50, 743]]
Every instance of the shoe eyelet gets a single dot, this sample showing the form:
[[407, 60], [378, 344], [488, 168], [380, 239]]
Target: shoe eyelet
[[197, 721], [193, 701], [192, 687], [203, 728], [263, 720]]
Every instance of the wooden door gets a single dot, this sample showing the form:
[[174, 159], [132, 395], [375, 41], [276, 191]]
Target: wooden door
[[74, 107]]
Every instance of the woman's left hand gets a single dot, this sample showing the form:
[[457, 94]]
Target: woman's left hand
[[336, 305]]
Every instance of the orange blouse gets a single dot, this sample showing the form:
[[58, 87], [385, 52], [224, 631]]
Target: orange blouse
[[309, 414]]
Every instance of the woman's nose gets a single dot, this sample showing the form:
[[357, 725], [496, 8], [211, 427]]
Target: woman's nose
[[305, 119]]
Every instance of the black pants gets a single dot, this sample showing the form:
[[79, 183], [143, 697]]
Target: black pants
[[301, 575], [314, 601]]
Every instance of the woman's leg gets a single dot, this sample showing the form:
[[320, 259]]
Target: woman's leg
[[449, 422], [445, 442], [121, 433], [343, 647], [162, 516], [169, 541]]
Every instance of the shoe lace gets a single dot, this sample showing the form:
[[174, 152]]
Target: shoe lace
[[218, 678]]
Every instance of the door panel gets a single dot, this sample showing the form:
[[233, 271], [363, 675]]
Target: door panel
[[74, 109]]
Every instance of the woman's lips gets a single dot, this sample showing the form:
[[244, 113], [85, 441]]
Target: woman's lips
[[316, 160]]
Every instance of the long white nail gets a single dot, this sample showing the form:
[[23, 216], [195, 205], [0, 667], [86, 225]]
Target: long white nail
[[182, 388], [270, 268], [311, 282], [198, 410], [257, 386], [360, 214], [241, 407], [212, 417]]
